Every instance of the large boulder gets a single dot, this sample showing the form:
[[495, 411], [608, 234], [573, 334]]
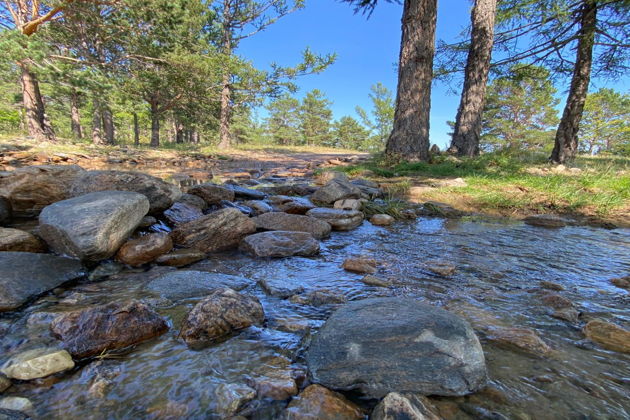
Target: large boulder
[[212, 193], [185, 284], [219, 315], [280, 244], [144, 249], [161, 194], [337, 218], [32, 188], [335, 190], [89, 332], [93, 226], [293, 222], [383, 345], [217, 231], [19, 241], [26, 275]]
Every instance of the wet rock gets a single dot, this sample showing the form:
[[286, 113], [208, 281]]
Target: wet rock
[[212, 193], [91, 331], [279, 243], [348, 204], [220, 315], [319, 297], [375, 281], [37, 363], [291, 205], [292, 324], [521, 339], [258, 206], [397, 406], [428, 350], [277, 385], [369, 189], [193, 200], [19, 404], [621, 282], [480, 413], [160, 194], [546, 220], [609, 336], [382, 220], [180, 257], [289, 189], [441, 268], [217, 231], [145, 249], [335, 190], [338, 219], [93, 226], [180, 213], [282, 288], [556, 301], [567, 314], [5, 211], [319, 403], [105, 269], [230, 398], [185, 284], [549, 285], [44, 272], [4, 384], [32, 188], [19, 241], [246, 193], [293, 222], [147, 221], [360, 265]]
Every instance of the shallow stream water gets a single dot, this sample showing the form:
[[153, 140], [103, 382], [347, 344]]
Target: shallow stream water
[[499, 266]]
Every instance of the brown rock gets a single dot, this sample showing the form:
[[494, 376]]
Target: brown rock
[[567, 314], [219, 315], [381, 220], [145, 249], [318, 298], [621, 282], [89, 332], [339, 219], [319, 403], [375, 281], [397, 406], [212, 193], [280, 243], [360, 265], [441, 268], [609, 336], [556, 301], [522, 339], [20, 241], [293, 222], [180, 258], [4, 383], [193, 200], [336, 190], [217, 231], [551, 286], [180, 213]]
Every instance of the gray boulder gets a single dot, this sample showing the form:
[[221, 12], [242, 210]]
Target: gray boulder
[[27, 275], [336, 189], [189, 283], [383, 345], [93, 226], [280, 244], [293, 222], [338, 219]]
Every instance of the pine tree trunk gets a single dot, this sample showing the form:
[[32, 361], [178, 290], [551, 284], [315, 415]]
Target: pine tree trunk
[[75, 116], [97, 121], [108, 124], [566, 143], [226, 50], [136, 130], [155, 125], [409, 139], [468, 122], [179, 132], [36, 120]]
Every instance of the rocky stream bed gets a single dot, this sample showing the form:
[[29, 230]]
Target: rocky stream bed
[[274, 296]]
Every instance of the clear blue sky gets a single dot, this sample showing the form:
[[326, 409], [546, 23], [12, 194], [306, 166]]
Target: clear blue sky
[[367, 52]]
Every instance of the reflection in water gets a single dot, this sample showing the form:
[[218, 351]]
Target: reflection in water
[[499, 268]]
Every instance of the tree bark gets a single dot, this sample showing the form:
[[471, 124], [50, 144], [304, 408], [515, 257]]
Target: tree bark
[[36, 120], [108, 124], [97, 121], [155, 125], [226, 49], [468, 122], [179, 132], [136, 130], [566, 142], [409, 139], [75, 116]]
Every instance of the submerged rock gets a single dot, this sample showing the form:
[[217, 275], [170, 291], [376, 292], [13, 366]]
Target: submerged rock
[[89, 332], [319, 297], [396, 406], [383, 345], [19, 241], [621, 282], [360, 265], [37, 363], [546, 220], [278, 244], [317, 402], [441, 268], [93, 226], [185, 284], [337, 218], [609, 336], [180, 257], [145, 249], [30, 275], [282, 288], [212, 193], [293, 222], [219, 315], [523, 339], [230, 398], [375, 281], [16, 405]]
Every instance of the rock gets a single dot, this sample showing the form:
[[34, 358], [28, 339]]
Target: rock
[[522, 339], [217, 231], [230, 398], [145, 249], [382, 345], [93, 226], [289, 189], [441, 268], [180, 257], [91, 331], [44, 272], [4, 384], [369, 189], [32, 188], [291, 205], [609, 336], [375, 281], [319, 403], [245, 193], [319, 297], [338, 219], [185, 284], [545, 220], [293, 222], [13, 415], [22, 405], [105, 269], [212, 193], [396, 406], [259, 206], [621, 282], [19, 241], [327, 176], [335, 190], [160, 194], [193, 200], [5, 211], [279, 243], [147, 221], [556, 301], [277, 385], [551, 286], [437, 209], [567, 314], [219, 315], [348, 204], [360, 265], [38, 363], [281, 288], [180, 213], [382, 220]]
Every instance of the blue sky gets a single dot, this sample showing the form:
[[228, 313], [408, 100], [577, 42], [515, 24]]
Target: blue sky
[[367, 51]]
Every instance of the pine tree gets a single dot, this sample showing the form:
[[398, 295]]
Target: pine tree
[[315, 119], [606, 123], [348, 133], [284, 120]]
